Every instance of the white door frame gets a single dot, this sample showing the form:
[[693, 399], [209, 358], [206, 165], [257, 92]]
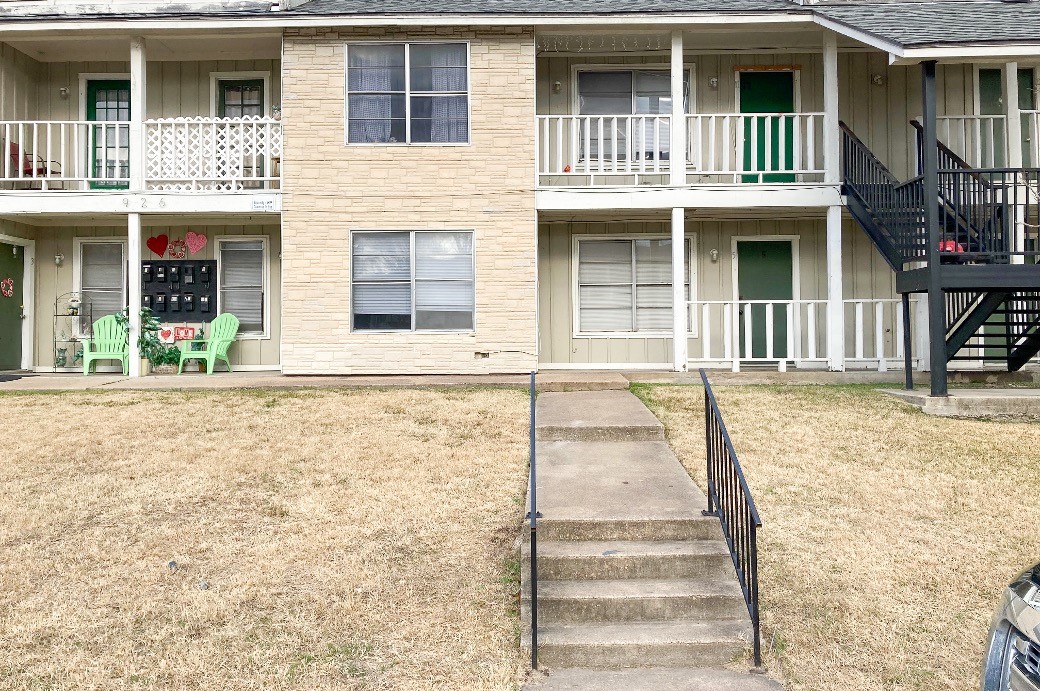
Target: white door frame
[[28, 296], [796, 292]]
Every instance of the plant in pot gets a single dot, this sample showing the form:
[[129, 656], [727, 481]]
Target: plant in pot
[[152, 350]]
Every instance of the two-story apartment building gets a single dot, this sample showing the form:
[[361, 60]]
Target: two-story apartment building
[[499, 186]]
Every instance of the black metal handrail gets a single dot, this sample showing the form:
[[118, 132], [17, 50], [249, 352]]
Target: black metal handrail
[[532, 517], [730, 499], [896, 209]]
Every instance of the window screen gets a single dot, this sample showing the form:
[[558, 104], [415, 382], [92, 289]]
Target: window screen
[[412, 280], [242, 283], [102, 278]]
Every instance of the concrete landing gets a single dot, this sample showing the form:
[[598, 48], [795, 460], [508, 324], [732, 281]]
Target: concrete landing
[[652, 680], [980, 403], [596, 416]]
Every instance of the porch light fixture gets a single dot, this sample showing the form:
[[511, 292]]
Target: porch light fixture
[[714, 254], [713, 82], [59, 259], [557, 87], [877, 79], [63, 92]]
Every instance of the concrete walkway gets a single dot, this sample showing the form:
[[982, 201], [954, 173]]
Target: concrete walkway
[[981, 403], [636, 586]]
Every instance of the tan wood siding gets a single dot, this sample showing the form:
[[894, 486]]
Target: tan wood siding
[[19, 78]]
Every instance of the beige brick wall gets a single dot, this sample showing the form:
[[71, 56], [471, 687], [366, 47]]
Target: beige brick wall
[[331, 189]]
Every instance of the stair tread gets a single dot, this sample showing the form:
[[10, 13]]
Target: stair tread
[[638, 588], [649, 679], [646, 632], [633, 548]]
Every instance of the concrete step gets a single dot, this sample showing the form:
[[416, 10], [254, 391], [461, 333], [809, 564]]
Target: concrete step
[[610, 560], [595, 416], [683, 643], [635, 600], [676, 679], [694, 528]]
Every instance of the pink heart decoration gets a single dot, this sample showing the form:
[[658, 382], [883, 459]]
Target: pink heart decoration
[[195, 241], [158, 244]]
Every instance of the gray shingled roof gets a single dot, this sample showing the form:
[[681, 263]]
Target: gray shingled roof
[[944, 22], [544, 7]]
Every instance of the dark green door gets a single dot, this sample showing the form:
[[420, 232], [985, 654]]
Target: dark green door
[[765, 271], [108, 101], [12, 272], [991, 102], [768, 92]]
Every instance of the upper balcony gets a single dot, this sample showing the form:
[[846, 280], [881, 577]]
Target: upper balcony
[[109, 124], [756, 124]]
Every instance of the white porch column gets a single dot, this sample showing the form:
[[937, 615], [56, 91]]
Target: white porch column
[[679, 273], [835, 298], [138, 85], [1013, 136], [677, 132], [138, 79], [133, 259], [831, 135]]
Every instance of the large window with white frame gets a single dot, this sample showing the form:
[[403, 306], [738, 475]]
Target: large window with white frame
[[100, 276], [623, 285], [242, 283], [407, 93], [412, 280]]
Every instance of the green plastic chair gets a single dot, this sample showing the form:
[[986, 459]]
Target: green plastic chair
[[222, 334], [108, 342]]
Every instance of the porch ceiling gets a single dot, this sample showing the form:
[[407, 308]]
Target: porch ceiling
[[164, 48], [150, 220]]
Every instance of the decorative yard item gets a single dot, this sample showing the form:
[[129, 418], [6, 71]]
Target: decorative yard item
[[184, 333], [195, 242], [166, 334], [177, 250], [7, 287], [74, 304], [61, 358], [158, 244]]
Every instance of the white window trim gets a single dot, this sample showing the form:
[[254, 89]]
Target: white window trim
[[690, 69], [411, 256], [266, 240], [407, 93], [77, 266], [214, 85], [576, 332]]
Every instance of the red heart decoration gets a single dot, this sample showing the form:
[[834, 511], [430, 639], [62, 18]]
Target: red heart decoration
[[158, 244], [165, 334]]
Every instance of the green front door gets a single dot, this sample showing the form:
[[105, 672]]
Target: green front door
[[12, 273], [108, 101], [765, 271], [765, 147], [991, 102]]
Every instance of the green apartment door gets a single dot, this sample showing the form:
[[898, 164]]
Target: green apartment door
[[12, 272], [108, 101], [768, 92], [765, 271]]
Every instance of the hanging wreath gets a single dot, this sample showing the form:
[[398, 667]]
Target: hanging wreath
[[7, 287]]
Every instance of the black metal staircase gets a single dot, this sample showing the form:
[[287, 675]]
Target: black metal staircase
[[987, 240]]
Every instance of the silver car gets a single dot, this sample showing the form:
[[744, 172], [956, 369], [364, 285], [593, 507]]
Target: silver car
[[1013, 654]]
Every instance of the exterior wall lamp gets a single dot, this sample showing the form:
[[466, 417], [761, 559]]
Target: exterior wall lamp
[[59, 259]]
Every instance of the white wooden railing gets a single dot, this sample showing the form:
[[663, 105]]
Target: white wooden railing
[[222, 154], [979, 139], [602, 149], [61, 154], [794, 332], [747, 147], [182, 154]]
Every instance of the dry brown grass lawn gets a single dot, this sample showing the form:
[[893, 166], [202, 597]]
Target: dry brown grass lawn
[[888, 534], [322, 539]]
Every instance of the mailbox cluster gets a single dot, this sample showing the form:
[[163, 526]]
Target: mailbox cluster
[[180, 290]]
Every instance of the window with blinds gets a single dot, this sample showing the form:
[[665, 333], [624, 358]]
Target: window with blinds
[[412, 281], [408, 93], [241, 274], [102, 277], [625, 285]]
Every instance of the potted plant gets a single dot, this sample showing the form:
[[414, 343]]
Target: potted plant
[[151, 349]]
